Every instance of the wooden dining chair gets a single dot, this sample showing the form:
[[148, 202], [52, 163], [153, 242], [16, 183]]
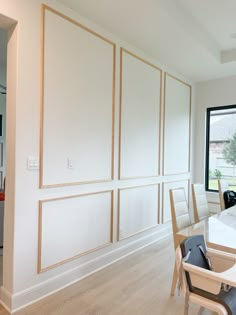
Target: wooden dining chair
[[222, 186], [200, 203], [180, 219]]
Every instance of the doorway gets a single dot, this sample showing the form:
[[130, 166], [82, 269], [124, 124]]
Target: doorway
[[8, 57]]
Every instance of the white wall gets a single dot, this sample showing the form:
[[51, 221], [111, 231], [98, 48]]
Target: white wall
[[212, 93], [22, 283]]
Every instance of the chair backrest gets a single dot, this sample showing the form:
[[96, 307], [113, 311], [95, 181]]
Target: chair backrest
[[194, 249], [222, 186], [200, 204], [179, 211]]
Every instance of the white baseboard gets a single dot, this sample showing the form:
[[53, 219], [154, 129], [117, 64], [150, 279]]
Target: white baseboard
[[14, 302]]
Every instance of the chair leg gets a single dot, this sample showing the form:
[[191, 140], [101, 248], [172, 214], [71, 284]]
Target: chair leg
[[186, 307], [174, 281], [200, 310]]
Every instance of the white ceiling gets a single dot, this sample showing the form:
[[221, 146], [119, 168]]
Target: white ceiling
[[217, 17], [192, 37]]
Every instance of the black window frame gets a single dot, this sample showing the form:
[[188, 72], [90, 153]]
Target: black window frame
[[208, 115]]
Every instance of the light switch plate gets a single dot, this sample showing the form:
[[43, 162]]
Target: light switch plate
[[32, 163], [70, 164]]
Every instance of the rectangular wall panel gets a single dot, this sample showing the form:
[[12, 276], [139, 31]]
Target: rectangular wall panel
[[78, 71], [140, 94], [176, 141], [73, 226], [166, 210], [138, 209]]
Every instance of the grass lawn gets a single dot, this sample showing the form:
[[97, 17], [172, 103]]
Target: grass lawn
[[213, 184]]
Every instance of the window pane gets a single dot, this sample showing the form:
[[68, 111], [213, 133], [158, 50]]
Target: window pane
[[221, 146]]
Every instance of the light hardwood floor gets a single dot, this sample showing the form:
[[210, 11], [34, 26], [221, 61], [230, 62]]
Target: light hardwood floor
[[136, 285]]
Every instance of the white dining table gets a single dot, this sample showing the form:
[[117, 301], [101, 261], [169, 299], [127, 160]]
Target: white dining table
[[219, 230]]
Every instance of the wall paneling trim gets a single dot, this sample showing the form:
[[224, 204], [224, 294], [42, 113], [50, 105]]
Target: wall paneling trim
[[176, 126], [77, 103], [138, 209], [140, 114], [73, 226]]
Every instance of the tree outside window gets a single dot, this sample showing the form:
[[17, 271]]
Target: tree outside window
[[229, 152], [221, 146]]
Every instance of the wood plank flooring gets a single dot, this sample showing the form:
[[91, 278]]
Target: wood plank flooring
[[136, 285]]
